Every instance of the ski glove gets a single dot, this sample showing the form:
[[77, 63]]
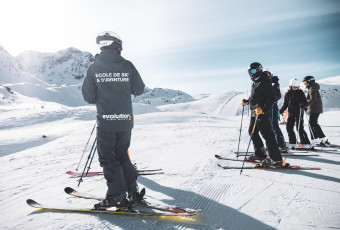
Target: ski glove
[[259, 111], [244, 102]]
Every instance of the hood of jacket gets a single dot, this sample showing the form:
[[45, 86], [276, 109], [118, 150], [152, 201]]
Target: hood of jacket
[[316, 86], [109, 59]]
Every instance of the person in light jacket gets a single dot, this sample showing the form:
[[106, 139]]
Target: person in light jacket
[[314, 109]]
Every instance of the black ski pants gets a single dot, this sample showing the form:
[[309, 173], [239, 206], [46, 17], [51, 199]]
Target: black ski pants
[[118, 170], [297, 120], [274, 119], [316, 131], [264, 127]]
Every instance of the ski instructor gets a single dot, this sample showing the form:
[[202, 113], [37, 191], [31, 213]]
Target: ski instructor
[[261, 100], [109, 83]]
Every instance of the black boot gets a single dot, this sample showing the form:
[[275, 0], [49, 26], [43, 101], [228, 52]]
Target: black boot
[[254, 158], [116, 200], [137, 197]]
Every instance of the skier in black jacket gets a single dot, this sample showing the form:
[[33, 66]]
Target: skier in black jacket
[[261, 100], [274, 116], [295, 101], [109, 83]]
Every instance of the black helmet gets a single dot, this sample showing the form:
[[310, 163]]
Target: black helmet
[[255, 69], [308, 80]]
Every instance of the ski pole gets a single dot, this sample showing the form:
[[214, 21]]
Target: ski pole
[[239, 138], [88, 158], [89, 167], [86, 145], [310, 128], [298, 127], [257, 116]]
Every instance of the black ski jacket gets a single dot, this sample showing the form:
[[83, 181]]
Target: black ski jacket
[[261, 95], [276, 88], [109, 83], [294, 100]]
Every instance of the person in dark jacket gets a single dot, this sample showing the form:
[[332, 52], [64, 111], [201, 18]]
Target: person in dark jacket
[[275, 115], [109, 83], [261, 100], [295, 101], [314, 108]]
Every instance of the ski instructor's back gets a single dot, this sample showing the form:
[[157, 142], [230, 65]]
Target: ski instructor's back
[[109, 83]]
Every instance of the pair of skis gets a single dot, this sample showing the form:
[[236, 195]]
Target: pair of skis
[[144, 172], [289, 167], [292, 154], [163, 210], [312, 147]]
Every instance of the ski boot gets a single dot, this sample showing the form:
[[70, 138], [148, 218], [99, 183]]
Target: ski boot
[[117, 201], [137, 198], [260, 155], [284, 149], [316, 142], [269, 163], [324, 142], [253, 157], [134, 196]]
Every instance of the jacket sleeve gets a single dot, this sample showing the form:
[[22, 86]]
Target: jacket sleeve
[[136, 83], [277, 91], [285, 103], [312, 92], [303, 100], [89, 88], [269, 97]]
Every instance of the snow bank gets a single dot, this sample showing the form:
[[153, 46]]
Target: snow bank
[[221, 104]]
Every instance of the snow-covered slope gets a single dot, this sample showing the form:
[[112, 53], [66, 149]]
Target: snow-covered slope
[[183, 144], [222, 104], [9, 96], [69, 95], [9, 67], [11, 71], [330, 93]]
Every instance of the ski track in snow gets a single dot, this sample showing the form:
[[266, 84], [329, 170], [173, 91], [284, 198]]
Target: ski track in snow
[[183, 144]]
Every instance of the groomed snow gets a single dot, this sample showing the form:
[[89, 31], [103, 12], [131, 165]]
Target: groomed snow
[[181, 142]]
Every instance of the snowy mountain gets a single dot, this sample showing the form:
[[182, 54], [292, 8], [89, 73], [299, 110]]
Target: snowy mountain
[[57, 77], [160, 96], [330, 92], [66, 67], [50, 77], [11, 71]]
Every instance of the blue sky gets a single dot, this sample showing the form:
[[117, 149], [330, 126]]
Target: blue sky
[[192, 45]]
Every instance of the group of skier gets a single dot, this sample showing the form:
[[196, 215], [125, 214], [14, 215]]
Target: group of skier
[[265, 93], [111, 80]]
